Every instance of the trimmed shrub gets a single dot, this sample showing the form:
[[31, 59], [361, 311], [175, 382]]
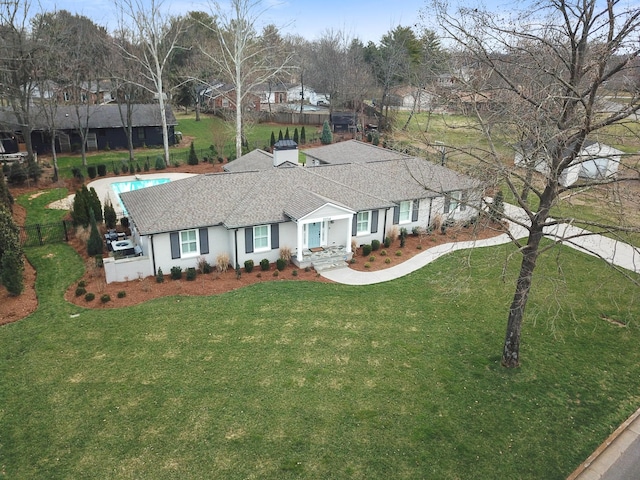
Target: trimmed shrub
[[367, 265], [91, 171], [122, 294], [383, 253], [105, 298], [375, 245], [419, 247], [366, 250], [80, 291], [102, 170], [124, 167], [387, 260], [303, 136], [89, 297], [159, 276], [294, 273], [82, 283], [281, 263], [248, 266], [146, 166], [191, 274], [160, 165], [307, 269], [203, 266], [403, 237], [176, 273], [387, 242], [276, 273], [264, 264], [398, 253], [372, 258]]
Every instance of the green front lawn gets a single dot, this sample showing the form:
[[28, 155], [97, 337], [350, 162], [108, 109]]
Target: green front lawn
[[312, 380]]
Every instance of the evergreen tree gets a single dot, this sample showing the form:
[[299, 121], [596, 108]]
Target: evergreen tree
[[110, 217], [296, 138], [273, 139], [17, 174], [286, 134], [280, 135], [33, 170], [193, 158], [327, 136], [80, 210], [95, 204], [94, 245], [11, 258], [303, 136]]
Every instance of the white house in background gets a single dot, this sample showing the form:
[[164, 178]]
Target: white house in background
[[596, 161], [405, 97], [311, 97], [357, 193]]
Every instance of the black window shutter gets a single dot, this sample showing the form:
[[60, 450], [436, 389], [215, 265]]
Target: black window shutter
[[447, 204], [175, 244], [414, 213], [248, 240], [396, 215], [374, 221], [275, 236], [354, 225], [204, 241]]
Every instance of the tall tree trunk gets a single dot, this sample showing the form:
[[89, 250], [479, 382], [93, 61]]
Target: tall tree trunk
[[54, 155]]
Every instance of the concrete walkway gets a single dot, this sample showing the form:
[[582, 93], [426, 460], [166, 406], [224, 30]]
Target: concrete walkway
[[617, 253], [618, 458]]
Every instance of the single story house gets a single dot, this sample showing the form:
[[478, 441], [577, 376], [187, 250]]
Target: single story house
[[250, 215], [596, 161], [105, 126], [219, 96], [407, 97]]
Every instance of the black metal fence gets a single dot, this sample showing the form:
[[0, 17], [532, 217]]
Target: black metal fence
[[44, 233]]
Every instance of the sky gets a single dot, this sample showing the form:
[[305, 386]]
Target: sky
[[367, 20]]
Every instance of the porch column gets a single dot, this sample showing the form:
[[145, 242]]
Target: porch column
[[299, 241]]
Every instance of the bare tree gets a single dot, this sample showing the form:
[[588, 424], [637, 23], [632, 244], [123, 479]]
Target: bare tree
[[20, 52], [541, 81], [243, 57], [153, 39]]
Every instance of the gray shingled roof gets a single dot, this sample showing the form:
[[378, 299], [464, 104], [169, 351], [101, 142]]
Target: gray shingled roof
[[243, 199], [253, 161], [351, 151], [99, 116]]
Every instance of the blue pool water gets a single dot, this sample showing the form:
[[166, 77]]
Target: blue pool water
[[119, 187]]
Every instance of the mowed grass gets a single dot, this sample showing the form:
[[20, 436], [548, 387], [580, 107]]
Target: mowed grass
[[307, 380]]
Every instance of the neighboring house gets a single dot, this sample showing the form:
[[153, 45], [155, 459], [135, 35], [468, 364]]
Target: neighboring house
[[250, 215], [311, 97], [596, 161], [105, 127], [218, 96], [406, 97]]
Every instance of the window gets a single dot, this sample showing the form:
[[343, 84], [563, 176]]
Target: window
[[452, 202], [455, 201], [261, 238], [188, 243], [363, 223], [405, 212], [140, 133]]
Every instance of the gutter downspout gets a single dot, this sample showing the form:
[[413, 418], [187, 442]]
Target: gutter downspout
[[429, 219], [235, 245], [384, 225], [153, 254]]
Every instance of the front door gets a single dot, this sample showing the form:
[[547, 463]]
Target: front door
[[314, 233]]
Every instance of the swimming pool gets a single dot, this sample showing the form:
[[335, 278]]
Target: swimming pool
[[119, 187]]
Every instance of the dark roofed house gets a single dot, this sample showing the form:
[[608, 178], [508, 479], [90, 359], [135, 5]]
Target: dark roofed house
[[105, 123], [250, 212]]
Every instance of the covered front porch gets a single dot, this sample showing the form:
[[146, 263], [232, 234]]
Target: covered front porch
[[324, 237]]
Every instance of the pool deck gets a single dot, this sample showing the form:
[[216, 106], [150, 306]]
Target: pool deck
[[104, 191]]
